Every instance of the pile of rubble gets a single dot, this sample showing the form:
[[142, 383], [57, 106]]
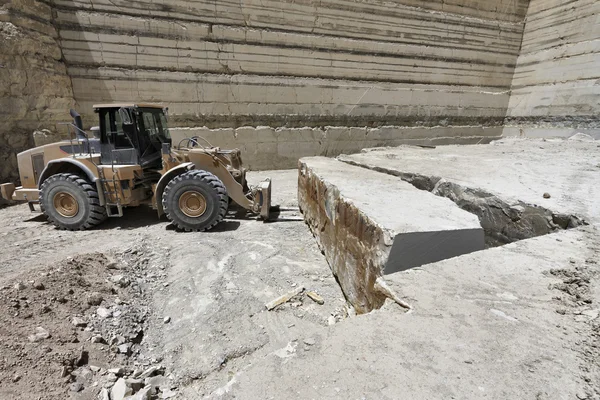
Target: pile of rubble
[[125, 383], [80, 324]]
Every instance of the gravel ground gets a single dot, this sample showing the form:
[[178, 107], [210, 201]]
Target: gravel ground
[[516, 321]]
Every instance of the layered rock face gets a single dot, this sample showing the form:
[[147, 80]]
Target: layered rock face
[[431, 72], [555, 88], [35, 90], [301, 63]]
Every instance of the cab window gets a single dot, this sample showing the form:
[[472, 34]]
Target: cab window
[[112, 125]]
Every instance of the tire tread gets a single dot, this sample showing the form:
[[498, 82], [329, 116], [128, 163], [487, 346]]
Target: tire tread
[[212, 181], [97, 212]]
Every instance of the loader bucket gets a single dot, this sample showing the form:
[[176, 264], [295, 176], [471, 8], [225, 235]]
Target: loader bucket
[[264, 194], [6, 191]]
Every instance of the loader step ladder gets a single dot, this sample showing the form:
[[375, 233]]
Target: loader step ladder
[[108, 205]]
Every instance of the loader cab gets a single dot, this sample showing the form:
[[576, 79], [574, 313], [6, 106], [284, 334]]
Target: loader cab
[[132, 134]]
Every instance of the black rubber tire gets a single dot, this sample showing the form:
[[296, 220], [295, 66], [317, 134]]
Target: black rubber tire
[[209, 186], [90, 212]]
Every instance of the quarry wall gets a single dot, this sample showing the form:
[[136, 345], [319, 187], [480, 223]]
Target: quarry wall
[[35, 90], [555, 89], [444, 68], [270, 76]]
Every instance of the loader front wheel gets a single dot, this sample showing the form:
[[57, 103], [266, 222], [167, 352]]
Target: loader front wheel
[[195, 201], [71, 202]]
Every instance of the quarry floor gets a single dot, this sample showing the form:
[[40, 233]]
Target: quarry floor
[[516, 321]]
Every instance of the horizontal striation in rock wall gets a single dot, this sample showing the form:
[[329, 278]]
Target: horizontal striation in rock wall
[[422, 65], [377, 18], [213, 99], [231, 63], [557, 72], [552, 23]]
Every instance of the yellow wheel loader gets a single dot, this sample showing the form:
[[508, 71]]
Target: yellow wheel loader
[[131, 161]]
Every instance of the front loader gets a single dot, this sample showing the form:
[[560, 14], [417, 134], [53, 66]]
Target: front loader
[[131, 161]]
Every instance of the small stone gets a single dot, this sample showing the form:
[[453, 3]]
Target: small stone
[[143, 394], [331, 320], [84, 374], [76, 387], [112, 265], [315, 297], [78, 322], [167, 320], [20, 286], [97, 339], [95, 299], [581, 395], [120, 280], [118, 340], [83, 357], [547, 195], [95, 368], [120, 390], [104, 394], [103, 312], [39, 286], [135, 384], [64, 371], [149, 372], [125, 348], [45, 309], [167, 394], [16, 378], [158, 381], [309, 341], [117, 371], [40, 334]]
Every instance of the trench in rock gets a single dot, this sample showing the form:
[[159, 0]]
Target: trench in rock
[[503, 222]]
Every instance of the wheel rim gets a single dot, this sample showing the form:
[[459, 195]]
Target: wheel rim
[[65, 204], [192, 204]]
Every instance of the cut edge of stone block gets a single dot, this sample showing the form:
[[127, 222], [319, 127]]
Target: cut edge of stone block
[[357, 246]]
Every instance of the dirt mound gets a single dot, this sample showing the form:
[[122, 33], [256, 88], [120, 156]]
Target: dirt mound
[[63, 326]]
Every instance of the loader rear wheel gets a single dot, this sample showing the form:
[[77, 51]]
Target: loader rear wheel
[[195, 201], [71, 202]]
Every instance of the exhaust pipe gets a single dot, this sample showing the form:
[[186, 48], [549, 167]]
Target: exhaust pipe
[[78, 123]]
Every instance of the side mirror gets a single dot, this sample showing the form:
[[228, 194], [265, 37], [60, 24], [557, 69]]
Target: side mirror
[[125, 116], [166, 112]]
